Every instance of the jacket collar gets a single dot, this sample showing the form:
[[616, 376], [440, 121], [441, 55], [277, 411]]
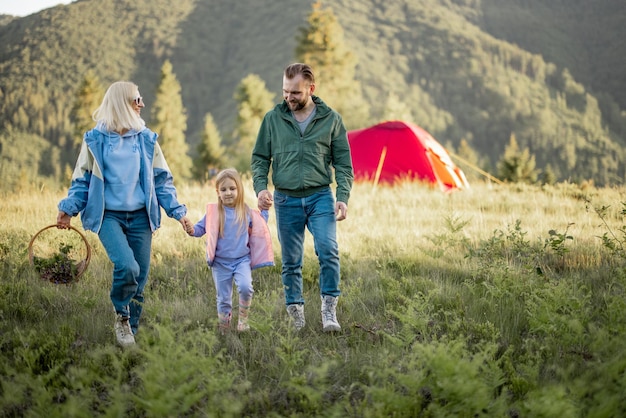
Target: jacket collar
[[322, 108]]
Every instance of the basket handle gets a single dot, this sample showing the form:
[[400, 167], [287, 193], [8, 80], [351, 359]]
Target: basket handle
[[31, 254]]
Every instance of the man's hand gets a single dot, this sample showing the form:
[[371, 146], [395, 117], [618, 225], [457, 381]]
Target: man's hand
[[265, 200], [341, 211]]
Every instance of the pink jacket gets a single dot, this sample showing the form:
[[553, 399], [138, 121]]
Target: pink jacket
[[260, 241]]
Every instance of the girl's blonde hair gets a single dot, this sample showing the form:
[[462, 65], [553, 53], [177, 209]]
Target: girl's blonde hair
[[116, 112], [241, 209]]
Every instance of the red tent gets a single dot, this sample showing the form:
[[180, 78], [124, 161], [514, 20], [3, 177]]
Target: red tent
[[397, 150]]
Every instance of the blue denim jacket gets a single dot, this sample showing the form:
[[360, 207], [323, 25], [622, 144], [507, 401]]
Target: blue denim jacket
[[86, 192]]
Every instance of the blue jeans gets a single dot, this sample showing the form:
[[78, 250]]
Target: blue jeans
[[317, 214], [127, 239]]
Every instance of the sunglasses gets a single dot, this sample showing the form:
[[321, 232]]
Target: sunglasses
[[138, 100]]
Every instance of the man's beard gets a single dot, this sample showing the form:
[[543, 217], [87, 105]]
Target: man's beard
[[296, 105]]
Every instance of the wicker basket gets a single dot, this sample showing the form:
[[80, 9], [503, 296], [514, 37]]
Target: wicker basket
[[61, 268]]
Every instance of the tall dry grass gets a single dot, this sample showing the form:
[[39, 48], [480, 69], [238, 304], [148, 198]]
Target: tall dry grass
[[493, 301]]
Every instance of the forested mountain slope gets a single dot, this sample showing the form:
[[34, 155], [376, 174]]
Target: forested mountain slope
[[455, 67], [587, 37]]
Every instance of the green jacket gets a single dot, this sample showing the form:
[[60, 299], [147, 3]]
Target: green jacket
[[302, 164]]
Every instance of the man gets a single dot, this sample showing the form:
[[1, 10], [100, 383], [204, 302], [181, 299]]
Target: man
[[303, 140]]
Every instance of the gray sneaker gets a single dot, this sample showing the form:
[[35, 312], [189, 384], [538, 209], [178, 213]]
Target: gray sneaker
[[123, 333], [296, 312], [329, 314]]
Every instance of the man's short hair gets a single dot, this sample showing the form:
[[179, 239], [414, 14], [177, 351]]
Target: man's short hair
[[298, 68]]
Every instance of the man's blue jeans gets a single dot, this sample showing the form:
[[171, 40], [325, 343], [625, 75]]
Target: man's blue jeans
[[317, 214], [127, 239]]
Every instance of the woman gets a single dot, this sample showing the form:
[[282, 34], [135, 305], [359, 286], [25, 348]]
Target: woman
[[120, 182]]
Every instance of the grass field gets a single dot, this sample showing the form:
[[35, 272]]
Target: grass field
[[495, 301]]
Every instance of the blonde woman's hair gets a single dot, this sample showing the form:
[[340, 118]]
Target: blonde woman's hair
[[116, 112], [241, 209]]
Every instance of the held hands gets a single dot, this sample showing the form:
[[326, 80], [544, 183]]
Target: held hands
[[265, 200], [341, 211], [187, 225]]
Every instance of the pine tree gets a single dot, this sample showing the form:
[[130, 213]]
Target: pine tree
[[88, 98], [517, 166], [253, 102], [396, 109], [210, 152], [170, 122], [469, 158], [19, 168], [321, 45], [548, 176]]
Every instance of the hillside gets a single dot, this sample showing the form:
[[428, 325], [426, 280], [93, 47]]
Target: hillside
[[456, 66], [585, 37]]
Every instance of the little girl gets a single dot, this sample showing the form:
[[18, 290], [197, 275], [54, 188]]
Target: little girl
[[238, 241]]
